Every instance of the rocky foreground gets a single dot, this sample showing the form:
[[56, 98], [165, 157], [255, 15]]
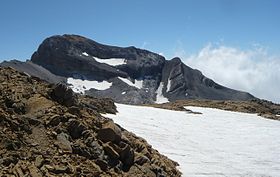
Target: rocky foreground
[[47, 130]]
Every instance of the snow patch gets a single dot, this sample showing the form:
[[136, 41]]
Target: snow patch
[[168, 85], [160, 98], [85, 54], [214, 143], [111, 61], [80, 86], [138, 83], [108, 61]]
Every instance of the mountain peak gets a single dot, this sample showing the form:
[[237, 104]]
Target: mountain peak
[[125, 74]]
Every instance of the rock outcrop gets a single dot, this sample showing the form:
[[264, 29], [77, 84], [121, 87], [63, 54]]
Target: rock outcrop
[[47, 130], [132, 75]]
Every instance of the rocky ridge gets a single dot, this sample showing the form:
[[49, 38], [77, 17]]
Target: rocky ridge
[[48, 130], [134, 76], [266, 109]]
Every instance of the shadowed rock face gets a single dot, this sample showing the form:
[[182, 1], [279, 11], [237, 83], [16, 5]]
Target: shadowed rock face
[[63, 55], [81, 58], [188, 83]]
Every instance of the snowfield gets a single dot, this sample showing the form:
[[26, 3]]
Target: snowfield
[[108, 61], [168, 85], [138, 83], [160, 98], [111, 61], [215, 143], [80, 86]]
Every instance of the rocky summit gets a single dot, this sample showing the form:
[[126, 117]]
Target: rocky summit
[[125, 74], [48, 130]]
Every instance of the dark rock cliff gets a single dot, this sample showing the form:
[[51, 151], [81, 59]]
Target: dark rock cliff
[[143, 77]]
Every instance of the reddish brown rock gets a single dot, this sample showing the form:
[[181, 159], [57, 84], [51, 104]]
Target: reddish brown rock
[[109, 132]]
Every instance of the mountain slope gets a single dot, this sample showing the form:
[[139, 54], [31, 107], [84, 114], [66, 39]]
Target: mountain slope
[[47, 130], [209, 142], [127, 75]]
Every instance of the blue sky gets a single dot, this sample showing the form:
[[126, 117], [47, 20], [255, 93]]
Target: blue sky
[[234, 42], [158, 25]]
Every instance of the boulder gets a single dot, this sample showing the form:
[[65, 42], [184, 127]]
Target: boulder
[[90, 150], [109, 132], [102, 164], [141, 159], [39, 161], [75, 128], [110, 151], [63, 95], [127, 156], [54, 120], [63, 143]]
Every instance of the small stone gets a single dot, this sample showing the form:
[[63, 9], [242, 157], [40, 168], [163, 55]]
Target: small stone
[[74, 110], [34, 172], [49, 167], [110, 151], [67, 116], [109, 132], [39, 161], [54, 120], [12, 144], [61, 169], [127, 156], [102, 164], [63, 143], [141, 159], [75, 128], [19, 171]]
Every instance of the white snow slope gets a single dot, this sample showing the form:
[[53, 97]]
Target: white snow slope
[[108, 61], [80, 86], [160, 98], [111, 61], [138, 83], [216, 143]]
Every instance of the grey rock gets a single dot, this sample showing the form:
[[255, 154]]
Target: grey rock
[[61, 57], [63, 142]]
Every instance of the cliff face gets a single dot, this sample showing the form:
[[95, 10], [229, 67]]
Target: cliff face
[[132, 75], [48, 130], [68, 55]]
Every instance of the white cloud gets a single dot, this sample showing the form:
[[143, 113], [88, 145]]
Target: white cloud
[[143, 46], [251, 70]]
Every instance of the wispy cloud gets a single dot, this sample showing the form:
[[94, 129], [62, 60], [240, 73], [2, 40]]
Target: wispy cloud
[[143, 46], [251, 70]]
